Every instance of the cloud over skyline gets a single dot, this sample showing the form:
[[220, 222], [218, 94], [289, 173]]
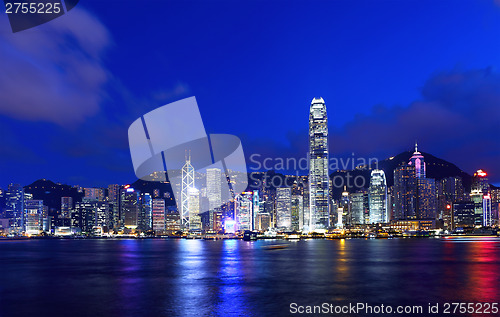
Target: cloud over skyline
[[54, 72]]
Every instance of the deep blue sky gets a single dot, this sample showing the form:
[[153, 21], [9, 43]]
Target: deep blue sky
[[391, 72]]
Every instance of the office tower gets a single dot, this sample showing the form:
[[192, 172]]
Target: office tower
[[359, 208], [129, 207], [464, 215], [405, 192], [33, 210], [84, 215], [319, 190], [340, 212], [214, 188], [297, 212], [66, 209], [187, 183], [113, 199], [145, 217], [256, 207], [480, 182], [263, 221], [487, 215], [417, 160], [158, 215], [426, 202], [345, 204], [14, 207], [2, 204], [284, 208], [243, 205], [377, 195], [102, 215], [95, 193], [194, 209], [449, 190]]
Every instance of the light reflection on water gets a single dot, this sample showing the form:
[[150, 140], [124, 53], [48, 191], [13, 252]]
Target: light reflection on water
[[238, 278]]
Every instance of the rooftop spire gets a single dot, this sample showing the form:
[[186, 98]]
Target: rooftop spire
[[416, 147]]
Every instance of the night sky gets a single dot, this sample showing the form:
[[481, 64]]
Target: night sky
[[391, 72]]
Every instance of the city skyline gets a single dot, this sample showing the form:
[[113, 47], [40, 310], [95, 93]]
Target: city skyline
[[411, 86]]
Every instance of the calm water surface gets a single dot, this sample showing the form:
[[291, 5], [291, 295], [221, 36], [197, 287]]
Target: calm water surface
[[238, 278]]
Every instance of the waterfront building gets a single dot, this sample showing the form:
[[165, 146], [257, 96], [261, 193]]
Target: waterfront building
[[14, 207], [243, 205], [33, 214], [464, 214], [284, 208], [358, 207], [214, 188], [377, 195], [319, 189], [297, 206], [194, 209], [129, 207], [158, 206], [186, 185]]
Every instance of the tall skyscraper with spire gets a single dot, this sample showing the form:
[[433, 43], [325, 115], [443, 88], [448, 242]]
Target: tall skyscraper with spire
[[417, 160], [318, 166], [186, 187]]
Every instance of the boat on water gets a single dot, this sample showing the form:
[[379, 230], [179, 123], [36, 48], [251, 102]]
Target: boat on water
[[275, 247], [250, 236]]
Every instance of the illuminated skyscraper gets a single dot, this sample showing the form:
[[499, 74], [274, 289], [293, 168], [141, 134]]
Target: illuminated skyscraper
[[358, 210], [14, 207], [214, 188], [187, 183], [158, 215], [318, 166], [417, 160], [129, 207], [33, 215], [297, 212], [377, 196], [284, 208], [487, 215], [194, 209], [481, 197], [243, 205], [405, 192]]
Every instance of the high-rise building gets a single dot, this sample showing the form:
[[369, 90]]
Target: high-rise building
[[95, 193], [33, 214], [414, 193], [405, 192], [480, 182], [487, 215], [463, 213], [214, 188], [417, 160], [297, 212], [194, 209], [129, 207], [66, 209], [359, 208], [243, 205], [158, 215], [284, 208], [146, 216], [14, 207], [186, 186], [426, 202], [377, 196], [319, 189]]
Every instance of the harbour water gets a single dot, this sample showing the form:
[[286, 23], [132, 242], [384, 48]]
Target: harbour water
[[238, 278]]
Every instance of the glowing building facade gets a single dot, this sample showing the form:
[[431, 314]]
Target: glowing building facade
[[377, 197], [319, 188]]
